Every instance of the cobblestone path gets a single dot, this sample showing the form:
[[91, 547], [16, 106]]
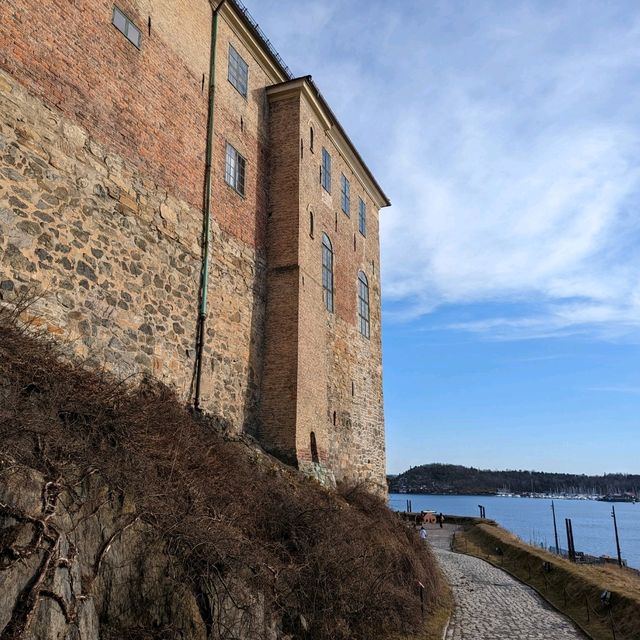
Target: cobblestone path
[[491, 605]]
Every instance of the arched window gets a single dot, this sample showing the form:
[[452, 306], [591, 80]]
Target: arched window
[[311, 223], [327, 272], [314, 448], [363, 305]]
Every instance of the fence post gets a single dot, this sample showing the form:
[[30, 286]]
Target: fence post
[[613, 628], [586, 602]]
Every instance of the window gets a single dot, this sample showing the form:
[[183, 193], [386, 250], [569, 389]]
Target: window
[[345, 194], [363, 305], [311, 223], [234, 168], [126, 27], [325, 171], [314, 448], [238, 72], [327, 272], [362, 217], [311, 138]]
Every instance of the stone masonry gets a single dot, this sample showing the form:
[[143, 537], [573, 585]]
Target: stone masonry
[[102, 165], [492, 605]]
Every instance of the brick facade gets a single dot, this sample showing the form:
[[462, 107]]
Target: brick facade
[[102, 165]]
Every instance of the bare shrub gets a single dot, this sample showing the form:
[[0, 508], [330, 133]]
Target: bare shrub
[[331, 566]]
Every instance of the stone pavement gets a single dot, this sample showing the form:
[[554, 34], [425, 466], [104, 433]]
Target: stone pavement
[[490, 604]]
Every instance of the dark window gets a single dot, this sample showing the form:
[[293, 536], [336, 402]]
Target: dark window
[[311, 138], [325, 171], [238, 72], [311, 223], [314, 449], [363, 305], [327, 272], [362, 217], [345, 194], [126, 27], [234, 169]]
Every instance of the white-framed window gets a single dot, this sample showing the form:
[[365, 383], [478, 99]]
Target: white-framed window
[[364, 324], [325, 171], [238, 72], [327, 272], [345, 194], [125, 25], [362, 217], [234, 169]]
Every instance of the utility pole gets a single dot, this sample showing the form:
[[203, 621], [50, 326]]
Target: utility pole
[[615, 527], [555, 527]]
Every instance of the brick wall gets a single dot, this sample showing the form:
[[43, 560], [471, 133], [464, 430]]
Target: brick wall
[[101, 184], [108, 140], [279, 401], [337, 370]]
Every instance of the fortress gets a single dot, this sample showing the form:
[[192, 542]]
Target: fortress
[[185, 207]]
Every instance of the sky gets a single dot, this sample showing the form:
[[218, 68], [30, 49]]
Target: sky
[[507, 136]]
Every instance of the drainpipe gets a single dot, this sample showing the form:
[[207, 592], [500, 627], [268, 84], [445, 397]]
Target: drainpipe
[[206, 224]]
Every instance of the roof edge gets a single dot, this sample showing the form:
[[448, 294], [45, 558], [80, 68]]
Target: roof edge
[[305, 85]]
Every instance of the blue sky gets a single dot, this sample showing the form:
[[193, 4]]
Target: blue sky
[[507, 135]]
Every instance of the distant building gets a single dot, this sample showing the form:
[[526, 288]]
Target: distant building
[[104, 116]]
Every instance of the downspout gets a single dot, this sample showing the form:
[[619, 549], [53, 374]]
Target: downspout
[[206, 224]]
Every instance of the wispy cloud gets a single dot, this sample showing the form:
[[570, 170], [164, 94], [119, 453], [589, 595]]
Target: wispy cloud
[[615, 389], [520, 178], [508, 137]]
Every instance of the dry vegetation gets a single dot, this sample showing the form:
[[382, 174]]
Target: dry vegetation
[[572, 588], [332, 566]]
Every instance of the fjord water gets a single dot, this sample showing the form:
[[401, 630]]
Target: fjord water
[[531, 520]]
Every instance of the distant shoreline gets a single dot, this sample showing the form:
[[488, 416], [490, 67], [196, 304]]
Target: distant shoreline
[[456, 480]]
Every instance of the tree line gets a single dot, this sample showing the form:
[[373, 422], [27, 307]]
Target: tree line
[[455, 479]]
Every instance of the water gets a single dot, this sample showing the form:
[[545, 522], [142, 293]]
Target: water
[[531, 520]]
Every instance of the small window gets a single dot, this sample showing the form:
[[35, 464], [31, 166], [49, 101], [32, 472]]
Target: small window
[[311, 223], [238, 72], [325, 171], [310, 138], [234, 169], [327, 272], [362, 217], [314, 448], [345, 194], [363, 305], [126, 27]]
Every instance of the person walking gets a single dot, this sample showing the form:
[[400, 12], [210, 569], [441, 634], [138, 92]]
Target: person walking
[[423, 533]]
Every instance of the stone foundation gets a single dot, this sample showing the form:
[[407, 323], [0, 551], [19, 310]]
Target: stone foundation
[[115, 262]]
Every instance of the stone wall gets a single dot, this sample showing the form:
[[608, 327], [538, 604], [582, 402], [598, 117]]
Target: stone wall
[[102, 167], [116, 260]]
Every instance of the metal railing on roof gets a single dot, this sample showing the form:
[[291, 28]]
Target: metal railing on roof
[[267, 43]]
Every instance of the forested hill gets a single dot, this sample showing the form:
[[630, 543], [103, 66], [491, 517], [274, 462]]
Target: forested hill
[[455, 479]]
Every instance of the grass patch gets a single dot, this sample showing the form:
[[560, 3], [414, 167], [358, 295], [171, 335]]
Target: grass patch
[[572, 588], [436, 620]]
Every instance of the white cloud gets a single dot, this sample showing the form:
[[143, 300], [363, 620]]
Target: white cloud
[[508, 138], [522, 191]]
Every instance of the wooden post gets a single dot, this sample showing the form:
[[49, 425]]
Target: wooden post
[[615, 526]]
